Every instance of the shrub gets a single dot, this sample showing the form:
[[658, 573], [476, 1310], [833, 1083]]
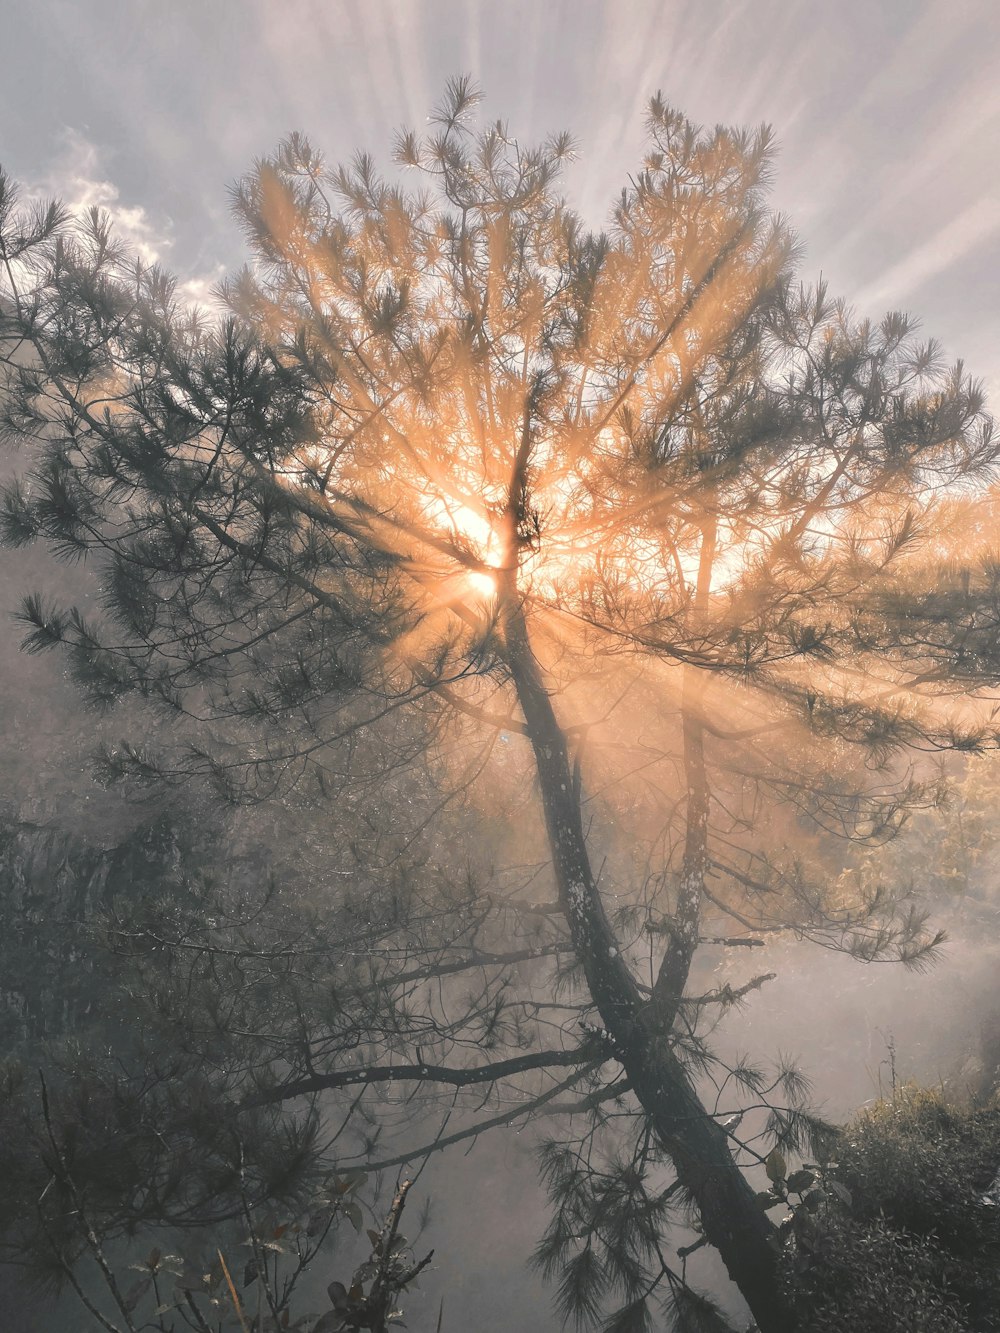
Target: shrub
[[901, 1224]]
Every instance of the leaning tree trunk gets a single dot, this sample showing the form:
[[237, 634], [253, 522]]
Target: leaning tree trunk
[[698, 1146]]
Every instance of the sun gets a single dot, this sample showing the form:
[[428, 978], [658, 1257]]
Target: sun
[[484, 585]]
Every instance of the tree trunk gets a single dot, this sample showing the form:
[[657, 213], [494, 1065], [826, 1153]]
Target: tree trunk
[[698, 1147], [684, 927]]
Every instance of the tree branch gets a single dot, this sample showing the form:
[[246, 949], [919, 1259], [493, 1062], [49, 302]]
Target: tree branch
[[458, 1078]]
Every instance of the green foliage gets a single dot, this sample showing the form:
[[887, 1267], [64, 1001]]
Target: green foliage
[[859, 1277], [606, 1242], [61, 898], [949, 851], [923, 1164], [604, 1237], [236, 1275], [903, 1221]]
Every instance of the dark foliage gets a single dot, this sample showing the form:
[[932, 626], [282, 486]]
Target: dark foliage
[[909, 1224]]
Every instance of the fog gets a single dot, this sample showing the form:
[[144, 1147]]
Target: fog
[[854, 1029], [527, 690]]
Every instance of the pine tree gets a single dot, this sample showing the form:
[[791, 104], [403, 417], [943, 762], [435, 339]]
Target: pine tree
[[455, 477]]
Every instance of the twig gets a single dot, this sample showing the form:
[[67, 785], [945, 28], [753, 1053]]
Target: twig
[[232, 1291], [93, 1243]]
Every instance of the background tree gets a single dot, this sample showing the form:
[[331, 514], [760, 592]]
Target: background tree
[[951, 852], [456, 481], [142, 981]]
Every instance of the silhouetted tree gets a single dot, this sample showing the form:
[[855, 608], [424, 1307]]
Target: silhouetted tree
[[454, 480]]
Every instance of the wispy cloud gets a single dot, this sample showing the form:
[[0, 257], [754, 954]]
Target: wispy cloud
[[946, 248], [78, 176]]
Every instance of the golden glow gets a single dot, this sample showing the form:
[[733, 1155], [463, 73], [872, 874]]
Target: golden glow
[[485, 585], [583, 439]]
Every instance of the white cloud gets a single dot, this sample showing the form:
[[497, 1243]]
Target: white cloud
[[199, 290], [78, 177]]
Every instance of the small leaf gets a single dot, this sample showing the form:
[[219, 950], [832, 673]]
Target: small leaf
[[136, 1292], [153, 1262], [338, 1295], [354, 1215], [841, 1191], [766, 1199], [775, 1166], [799, 1181], [331, 1322], [190, 1280], [356, 1293], [375, 1239]]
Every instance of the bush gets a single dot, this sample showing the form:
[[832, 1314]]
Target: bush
[[900, 1226]]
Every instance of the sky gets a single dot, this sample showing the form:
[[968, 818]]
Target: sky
[[887, 114]]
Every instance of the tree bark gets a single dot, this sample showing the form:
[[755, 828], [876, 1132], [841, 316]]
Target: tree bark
[[684, 929], [697, 1145]]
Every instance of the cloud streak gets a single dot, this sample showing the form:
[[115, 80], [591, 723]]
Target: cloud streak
[[947, 247]]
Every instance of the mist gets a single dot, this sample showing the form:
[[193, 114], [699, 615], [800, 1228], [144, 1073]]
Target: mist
[[500, 684]]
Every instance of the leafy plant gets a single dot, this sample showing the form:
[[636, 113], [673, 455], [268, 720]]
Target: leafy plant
[[902, 1220]]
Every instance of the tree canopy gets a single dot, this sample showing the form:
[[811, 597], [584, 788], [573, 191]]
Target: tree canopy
[[461, 518]]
